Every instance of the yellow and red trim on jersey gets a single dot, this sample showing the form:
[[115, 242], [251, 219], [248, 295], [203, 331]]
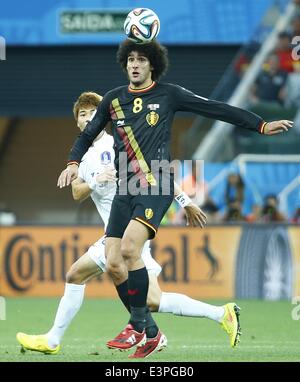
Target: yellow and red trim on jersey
[[139, 156], [146, 223], [132, 157], [146, 89], [262, 127], [117, 108]]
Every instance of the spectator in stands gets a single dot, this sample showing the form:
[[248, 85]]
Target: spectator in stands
[[255, 214], [234, 212], [234, 198], [296, 217], [270, 84], [194, 185], [241, 64], [211, 210], [283, 51], [234, 189], [244, 58], [293, 83], [191, 182], [270, 212], [295, 30]]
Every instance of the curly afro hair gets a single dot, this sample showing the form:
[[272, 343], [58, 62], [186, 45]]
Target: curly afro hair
[[156, 54]]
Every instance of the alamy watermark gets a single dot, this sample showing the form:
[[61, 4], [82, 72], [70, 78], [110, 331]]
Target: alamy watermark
[[2, 308], [296, 309], [296, 49], [137, 177], [2, 49]]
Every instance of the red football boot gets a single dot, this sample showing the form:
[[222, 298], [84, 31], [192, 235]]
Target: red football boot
[[127, 339], [152, 345]]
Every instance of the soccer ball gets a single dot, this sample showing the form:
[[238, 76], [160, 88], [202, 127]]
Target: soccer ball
[[141, 25]]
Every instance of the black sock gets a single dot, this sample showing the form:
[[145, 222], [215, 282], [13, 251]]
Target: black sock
[[151, 327], [122, 290], [138, 283], [140, 323], [138, 318]]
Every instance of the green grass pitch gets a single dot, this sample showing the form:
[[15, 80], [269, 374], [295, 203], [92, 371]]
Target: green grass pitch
[[269, 333]]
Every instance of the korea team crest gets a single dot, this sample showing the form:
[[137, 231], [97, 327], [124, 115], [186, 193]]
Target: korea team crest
[[148, 213], [105, 158]]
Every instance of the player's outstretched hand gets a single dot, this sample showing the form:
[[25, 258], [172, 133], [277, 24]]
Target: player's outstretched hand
[[194, 215], [277, 127], [67, 176]]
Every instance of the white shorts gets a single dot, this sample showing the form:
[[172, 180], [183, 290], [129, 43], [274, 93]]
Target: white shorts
[[97, 250]]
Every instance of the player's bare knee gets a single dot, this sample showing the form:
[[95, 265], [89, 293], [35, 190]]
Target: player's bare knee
[[74, 276], [114, 269], [128, 249]]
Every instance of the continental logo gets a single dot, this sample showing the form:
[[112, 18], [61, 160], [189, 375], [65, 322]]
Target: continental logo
[[148, 213], [26, 262], [34, 260]]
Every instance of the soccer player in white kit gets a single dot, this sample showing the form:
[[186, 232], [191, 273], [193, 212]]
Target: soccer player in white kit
[[96, 178]]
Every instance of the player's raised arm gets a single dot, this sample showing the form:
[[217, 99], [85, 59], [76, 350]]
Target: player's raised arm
[[83, 142], [185, 100]]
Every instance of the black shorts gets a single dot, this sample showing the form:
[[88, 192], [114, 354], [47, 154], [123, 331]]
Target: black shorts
[[147, 209]]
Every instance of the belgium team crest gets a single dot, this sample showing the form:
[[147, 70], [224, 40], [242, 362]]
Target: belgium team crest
[[152, 118], [148, 213]]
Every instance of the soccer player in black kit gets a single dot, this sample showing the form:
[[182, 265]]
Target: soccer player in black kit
[[141, 115]]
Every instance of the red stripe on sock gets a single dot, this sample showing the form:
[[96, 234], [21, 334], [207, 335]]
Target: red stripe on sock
[[133, 292]]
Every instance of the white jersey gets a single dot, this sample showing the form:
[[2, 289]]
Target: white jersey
[[100, 155]]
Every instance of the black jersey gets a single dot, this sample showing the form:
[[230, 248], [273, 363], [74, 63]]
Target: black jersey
[[142, 119]]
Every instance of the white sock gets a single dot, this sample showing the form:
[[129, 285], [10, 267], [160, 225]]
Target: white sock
[[182, 305], [68, 307]]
